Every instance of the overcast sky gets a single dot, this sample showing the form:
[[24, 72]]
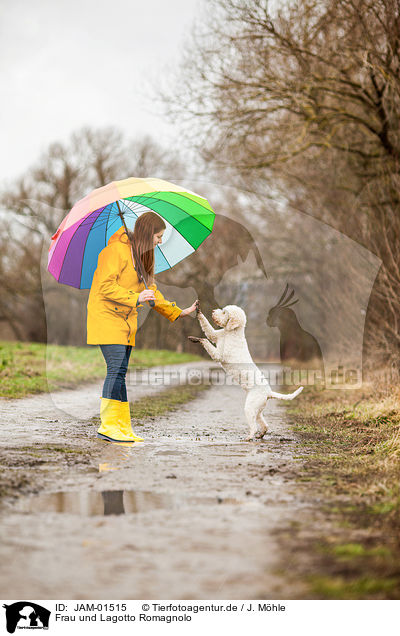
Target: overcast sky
[[68, 63]]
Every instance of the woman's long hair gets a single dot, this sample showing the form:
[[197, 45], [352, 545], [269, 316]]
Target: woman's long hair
[[141, 239]]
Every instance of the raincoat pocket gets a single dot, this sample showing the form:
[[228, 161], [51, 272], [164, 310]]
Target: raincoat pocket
[[117, 308]]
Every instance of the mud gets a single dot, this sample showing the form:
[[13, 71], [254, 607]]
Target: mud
[[194, 512]]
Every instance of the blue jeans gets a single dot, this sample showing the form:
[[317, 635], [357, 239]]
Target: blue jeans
[[117, 358]]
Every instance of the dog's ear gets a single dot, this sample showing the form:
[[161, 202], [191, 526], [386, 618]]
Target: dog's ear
[[235, 320]]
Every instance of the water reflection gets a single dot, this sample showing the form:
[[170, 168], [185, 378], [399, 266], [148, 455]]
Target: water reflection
[[113, 501], [110, 502], [115, 456]]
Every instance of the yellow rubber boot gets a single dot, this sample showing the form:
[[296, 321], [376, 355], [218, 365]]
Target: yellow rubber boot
[[111, 426], [125, 422]]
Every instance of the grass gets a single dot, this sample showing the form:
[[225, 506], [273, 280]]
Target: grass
[[352, 462], [28, 367], [165, 402], [364, 587], [350, 550]]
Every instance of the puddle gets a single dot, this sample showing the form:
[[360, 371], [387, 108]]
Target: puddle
[[110, 502], [169, 452]]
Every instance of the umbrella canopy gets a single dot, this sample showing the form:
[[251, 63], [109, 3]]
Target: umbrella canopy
[[85, 231]]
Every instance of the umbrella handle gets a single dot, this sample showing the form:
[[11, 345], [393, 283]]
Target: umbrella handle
[[151, 302]]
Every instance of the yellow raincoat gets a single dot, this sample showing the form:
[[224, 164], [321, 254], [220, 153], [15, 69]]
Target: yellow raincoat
[[111, 309]]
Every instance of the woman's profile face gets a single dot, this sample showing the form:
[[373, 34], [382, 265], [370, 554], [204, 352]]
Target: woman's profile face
[[157, 238]]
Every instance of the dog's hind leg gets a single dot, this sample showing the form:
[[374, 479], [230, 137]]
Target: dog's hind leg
[[262, 425], [253, 407]]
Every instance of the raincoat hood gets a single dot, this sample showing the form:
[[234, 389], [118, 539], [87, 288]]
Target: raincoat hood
[[116, 236]]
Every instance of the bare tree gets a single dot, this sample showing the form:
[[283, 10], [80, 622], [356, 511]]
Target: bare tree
[[306, 96], [34, 206]]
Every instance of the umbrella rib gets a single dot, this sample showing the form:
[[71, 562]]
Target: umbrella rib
[[70, 243], [180, 233], [187, 213], [84, 221], [84, 249], [169, 264], [136, 207], [105, 221], [178, 194], [182, 194], [173, 226], [184, 211], [108, 218]]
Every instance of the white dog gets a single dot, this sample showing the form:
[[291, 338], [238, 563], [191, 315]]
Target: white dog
[[232, 352]]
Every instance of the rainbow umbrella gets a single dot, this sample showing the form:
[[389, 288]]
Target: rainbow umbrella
[[86, 229]]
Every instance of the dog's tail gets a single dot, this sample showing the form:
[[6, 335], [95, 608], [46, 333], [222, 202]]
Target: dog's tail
[[287, 396]]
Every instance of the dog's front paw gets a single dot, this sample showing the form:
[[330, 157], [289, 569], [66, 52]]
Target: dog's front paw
[[198, 309], [194, 339]]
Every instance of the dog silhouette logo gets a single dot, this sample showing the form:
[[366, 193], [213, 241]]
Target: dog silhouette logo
[[26, 615]]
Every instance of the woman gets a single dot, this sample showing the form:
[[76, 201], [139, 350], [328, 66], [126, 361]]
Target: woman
[[116, 294]]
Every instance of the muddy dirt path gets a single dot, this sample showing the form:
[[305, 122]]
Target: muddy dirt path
[[193, 512]]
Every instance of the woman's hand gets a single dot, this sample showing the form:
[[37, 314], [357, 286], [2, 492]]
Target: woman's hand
[[146, 294], [189, 310]]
